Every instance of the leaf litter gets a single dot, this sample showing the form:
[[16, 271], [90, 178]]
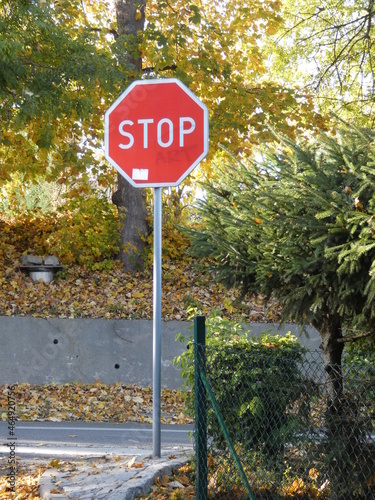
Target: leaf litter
[[112, 294], [96, 402], [80, 402]]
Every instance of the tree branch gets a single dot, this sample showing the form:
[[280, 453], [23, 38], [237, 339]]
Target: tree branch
[[369, 22], [354, 338], [338, 27], [339, 57], [149, 69]]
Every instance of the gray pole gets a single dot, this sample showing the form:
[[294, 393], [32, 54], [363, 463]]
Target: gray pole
[[156, 417]]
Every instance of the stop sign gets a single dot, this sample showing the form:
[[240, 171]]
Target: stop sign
[[156, 133]]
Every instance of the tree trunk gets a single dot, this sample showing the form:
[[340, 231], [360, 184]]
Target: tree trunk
[[130, 200], [132, 211], [330, 332], [130, 16], [342, 432]]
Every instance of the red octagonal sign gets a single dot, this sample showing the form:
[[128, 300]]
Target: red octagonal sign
[[156, 133]]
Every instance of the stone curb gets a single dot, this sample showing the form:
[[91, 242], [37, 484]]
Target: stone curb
[[140, 483], [46, 485]]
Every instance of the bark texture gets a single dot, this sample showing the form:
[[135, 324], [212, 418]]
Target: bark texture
[[343, 431], [330, 332], [129, 200], [130, 16], [132, 210]]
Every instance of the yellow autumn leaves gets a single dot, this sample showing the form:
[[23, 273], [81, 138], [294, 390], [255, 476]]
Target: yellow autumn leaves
[[114, 294], [93, 402]]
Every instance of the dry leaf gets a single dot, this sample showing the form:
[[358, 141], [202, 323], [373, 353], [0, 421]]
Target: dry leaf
[[183, 479], [164, 480], [55, 463], [138, 465], [138, 399], [77, 402]]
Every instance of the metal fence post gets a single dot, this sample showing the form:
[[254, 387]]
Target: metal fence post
[[200, 408]]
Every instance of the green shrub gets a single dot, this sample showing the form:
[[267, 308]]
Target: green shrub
[[254, 381], [360, 356]]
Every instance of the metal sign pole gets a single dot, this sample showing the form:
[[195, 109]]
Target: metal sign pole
[[156, 398]]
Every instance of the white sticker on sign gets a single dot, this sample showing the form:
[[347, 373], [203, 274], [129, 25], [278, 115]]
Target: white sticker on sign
[[140, 174]]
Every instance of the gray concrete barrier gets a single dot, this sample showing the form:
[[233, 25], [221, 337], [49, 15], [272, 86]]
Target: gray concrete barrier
[[39, 351]]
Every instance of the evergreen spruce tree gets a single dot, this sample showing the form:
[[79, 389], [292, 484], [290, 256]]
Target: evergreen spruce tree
[[299, 225]]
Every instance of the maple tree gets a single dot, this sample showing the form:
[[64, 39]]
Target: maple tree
[[217, 49], [53, 62], [131, 201], [64, 62], [200, 44]]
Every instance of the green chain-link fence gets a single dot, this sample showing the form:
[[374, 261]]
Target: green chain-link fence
[[270, 432]]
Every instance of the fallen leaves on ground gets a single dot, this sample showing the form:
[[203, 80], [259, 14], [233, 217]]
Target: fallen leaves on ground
[[86, 402], [112, 294], [28, 475], [178, 486], [179, 483], [92, 403], [29, 472], [80, 293]]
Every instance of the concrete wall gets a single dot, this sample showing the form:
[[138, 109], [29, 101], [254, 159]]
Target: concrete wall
[[37, 350]]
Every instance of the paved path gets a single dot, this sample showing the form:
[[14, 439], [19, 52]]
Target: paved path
[[89, 438], [112, 478], [97, 460]]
